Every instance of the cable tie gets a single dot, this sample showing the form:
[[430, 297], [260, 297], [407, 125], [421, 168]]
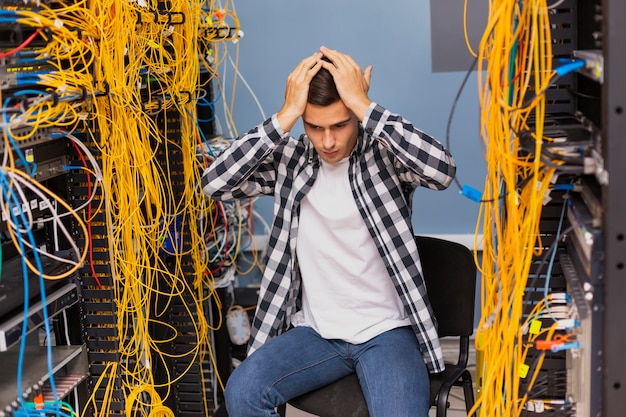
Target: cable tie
[[181, 100], [171, 21], [523, 370]]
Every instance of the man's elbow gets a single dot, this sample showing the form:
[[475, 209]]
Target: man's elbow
[[210, 186], [449, 171]]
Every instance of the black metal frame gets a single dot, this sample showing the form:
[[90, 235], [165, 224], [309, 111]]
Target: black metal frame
[[614, 202]]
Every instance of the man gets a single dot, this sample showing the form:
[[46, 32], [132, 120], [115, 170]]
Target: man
[[342, 289]]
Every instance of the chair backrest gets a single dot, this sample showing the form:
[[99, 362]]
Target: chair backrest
[[450, 274]]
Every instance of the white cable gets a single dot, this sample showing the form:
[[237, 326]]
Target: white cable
[[55, 229], [18, 179], [555, 5], [99, 179], [23, 201], [76, 403], [254, 97], [224, 106], [65, 324]]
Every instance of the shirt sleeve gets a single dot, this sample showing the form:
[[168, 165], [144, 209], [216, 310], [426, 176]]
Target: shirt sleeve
[[246, 168], [425, 159]]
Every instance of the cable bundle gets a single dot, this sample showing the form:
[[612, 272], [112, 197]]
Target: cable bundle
[[26, 114], [514, 70], [125, 78], [145, 130]]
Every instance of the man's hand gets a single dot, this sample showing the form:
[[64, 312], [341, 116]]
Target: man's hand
[[297, 90], [352, 82]]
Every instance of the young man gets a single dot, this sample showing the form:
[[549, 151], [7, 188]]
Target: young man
[[342, 290]]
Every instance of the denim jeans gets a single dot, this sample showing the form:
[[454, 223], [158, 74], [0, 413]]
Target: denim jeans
[[390, 368]]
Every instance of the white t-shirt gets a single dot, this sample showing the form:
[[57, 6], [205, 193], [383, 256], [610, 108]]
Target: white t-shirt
[[347, 293]]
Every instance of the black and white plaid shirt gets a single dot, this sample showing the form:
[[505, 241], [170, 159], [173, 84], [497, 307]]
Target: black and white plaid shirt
[[390, 160]]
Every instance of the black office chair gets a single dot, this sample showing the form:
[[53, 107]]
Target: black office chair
[[450, 275]]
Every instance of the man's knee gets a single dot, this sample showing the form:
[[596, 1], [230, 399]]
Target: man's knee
[[245, 388], [236, 388]]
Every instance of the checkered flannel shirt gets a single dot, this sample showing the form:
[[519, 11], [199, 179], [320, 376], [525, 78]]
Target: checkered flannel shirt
[[391, 157]]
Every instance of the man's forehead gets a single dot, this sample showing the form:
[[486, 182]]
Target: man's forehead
[[327, 122], [325, 116]]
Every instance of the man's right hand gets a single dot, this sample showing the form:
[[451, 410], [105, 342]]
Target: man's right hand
[[297, 91]]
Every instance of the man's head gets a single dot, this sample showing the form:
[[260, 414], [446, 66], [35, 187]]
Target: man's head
[[332, 128], [322, 89]]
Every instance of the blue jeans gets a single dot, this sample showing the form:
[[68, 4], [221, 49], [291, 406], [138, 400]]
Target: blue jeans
[[390, 368]]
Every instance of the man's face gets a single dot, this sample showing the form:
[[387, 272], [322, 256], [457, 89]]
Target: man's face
[[333, 130]]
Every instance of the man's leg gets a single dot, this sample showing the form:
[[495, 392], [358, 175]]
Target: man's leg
[[393, 375], [296, 362]]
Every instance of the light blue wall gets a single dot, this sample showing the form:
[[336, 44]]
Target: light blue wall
[[393, 36]]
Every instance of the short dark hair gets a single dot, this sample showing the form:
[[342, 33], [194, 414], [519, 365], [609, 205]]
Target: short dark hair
[[322, 90]]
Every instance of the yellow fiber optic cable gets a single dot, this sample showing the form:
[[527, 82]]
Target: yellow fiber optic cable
[[131, 74], [514, 63]]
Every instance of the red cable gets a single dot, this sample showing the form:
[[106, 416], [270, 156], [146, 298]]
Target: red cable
[[221, 206], [22, 46], [251, 215], [93, 269]]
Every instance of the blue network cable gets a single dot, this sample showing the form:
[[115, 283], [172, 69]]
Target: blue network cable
[[203, 102], [570, 65], [15, 210], [205, 141]]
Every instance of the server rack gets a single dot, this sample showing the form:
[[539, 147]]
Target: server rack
[[590, 254], [84, 310], [614, 276], [581, 231]]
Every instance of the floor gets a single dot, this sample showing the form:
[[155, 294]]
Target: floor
[[457, 404]]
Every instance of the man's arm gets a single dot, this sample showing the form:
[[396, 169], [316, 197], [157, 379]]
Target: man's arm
[[246, 168], [297, 90], [426, 160]]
